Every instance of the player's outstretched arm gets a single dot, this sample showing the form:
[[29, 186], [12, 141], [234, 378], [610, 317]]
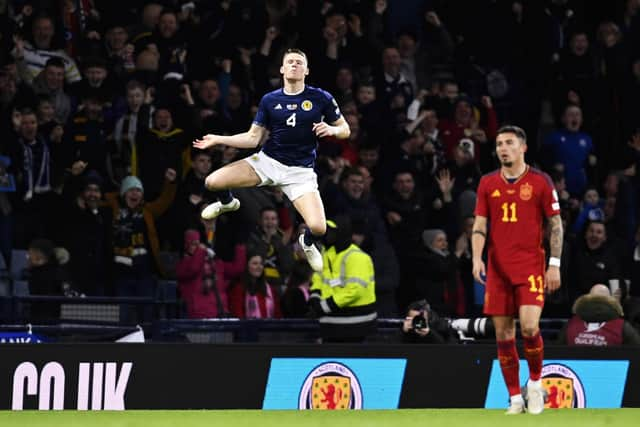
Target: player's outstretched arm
[[340, 129], [478, 239], [552, 276], [249, 139]]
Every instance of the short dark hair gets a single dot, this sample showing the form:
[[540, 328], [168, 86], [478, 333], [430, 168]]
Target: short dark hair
[[268, 208], [420, 305], [46, 248], [54, 61], [28, 112], [135, 84], [369, 146], [197, 153], [518, 131], [94, 62], [349, 172]]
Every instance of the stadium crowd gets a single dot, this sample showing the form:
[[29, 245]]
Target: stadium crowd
[[100, 101]]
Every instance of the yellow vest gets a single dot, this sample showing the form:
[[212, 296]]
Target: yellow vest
[[347, 276]]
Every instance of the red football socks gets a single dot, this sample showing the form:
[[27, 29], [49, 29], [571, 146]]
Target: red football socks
[[534, 353], [510, 365]]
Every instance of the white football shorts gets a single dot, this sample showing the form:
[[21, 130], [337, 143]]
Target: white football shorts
[[294, 181]]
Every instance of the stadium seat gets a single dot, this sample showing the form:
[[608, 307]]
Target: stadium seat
[[5, 279], [18, 264], [5, 285], [168, 260], [21, 288], [167, 291]]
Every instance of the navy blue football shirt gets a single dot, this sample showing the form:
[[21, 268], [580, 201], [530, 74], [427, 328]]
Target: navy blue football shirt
[[290, 119]]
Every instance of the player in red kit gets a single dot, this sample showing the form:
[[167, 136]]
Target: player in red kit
[[511, 207]]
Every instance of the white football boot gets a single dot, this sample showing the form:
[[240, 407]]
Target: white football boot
[[218, 208], [314, 257]]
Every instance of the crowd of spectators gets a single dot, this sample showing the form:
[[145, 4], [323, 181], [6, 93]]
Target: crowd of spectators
[[99, 103]]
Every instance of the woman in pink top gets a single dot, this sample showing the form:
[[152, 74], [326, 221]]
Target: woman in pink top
[[252, 297], [203, 279]]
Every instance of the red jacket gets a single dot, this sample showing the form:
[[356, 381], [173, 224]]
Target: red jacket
[[452, 133], [190, 272]]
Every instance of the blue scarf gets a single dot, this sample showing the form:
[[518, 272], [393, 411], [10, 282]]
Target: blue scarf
[[36, 161]]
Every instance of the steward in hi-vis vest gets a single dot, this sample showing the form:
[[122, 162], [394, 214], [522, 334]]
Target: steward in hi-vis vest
[[343, 296]]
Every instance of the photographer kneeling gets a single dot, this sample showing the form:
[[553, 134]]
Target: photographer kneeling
[[423, 326]]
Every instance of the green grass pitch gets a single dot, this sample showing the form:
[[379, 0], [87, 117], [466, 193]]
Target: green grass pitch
[[400, 418]]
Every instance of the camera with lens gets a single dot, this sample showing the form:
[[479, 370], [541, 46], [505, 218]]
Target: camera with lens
[[466, 144], [419, 322]]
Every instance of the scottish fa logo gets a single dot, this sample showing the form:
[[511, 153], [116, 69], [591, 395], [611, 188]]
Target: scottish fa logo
[[564, 388], [330, 386]]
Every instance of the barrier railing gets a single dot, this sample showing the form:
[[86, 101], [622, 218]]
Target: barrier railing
[[162, 321]]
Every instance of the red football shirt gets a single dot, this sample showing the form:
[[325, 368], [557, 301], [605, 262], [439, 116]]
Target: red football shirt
[[515, 213]]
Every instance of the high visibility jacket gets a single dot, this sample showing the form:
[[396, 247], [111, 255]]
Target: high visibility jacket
[[346, 288]]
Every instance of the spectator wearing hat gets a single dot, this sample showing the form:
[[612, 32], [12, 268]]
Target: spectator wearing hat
[[343, 294], [203, 278], [135, 240], [598, 320], [85, 231], [96, 82]]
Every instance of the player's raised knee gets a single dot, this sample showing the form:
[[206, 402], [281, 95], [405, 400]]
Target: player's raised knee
[[212, 183]]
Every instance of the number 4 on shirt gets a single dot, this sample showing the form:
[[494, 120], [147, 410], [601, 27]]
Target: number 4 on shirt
[[291, 120]]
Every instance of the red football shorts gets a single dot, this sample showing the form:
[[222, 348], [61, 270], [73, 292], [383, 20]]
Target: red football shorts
[[503, 297]]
